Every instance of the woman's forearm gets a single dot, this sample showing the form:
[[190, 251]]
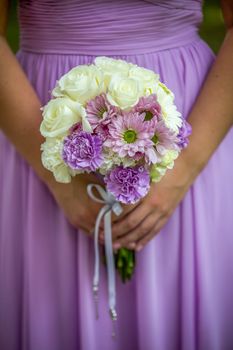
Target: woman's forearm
[[212, 115], [20, 114]]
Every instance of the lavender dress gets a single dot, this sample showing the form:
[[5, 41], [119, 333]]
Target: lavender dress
[[181, 296]]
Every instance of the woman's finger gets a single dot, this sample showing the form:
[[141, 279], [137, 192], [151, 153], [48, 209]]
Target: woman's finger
[[151, 234], [130, 222], [127, 209], [85, 222], [137, 233]]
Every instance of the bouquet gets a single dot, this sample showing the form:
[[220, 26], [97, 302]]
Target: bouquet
[[118, 120]]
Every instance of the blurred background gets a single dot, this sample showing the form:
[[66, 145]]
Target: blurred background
[[212, 29]]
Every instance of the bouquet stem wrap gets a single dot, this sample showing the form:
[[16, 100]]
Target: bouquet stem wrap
[[110, 205]]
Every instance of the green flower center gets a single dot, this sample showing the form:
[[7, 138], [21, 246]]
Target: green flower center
[[155, 139], [101, 112], [130, 136], [148, 116]]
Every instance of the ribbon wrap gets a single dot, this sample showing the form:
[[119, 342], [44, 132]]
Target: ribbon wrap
[[110, 205]]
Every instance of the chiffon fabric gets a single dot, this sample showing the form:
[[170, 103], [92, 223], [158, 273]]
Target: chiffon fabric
[[180, 297]]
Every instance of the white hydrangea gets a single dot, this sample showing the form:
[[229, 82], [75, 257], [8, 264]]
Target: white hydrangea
[[157, 171], [112, 159], [169, 158], [52, 160]]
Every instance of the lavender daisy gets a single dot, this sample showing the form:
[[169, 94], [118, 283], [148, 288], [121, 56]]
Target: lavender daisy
[[82, 151], [128, 185], [163, 139], [100, 111], [130, 136], [150, 106]]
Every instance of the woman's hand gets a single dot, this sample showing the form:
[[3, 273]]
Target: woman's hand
[[80, 210], [147, 219]]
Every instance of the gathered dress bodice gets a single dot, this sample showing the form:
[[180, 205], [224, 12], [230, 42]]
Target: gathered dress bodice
[[104, 26]]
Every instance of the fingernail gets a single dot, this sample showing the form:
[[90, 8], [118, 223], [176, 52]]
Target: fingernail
[[116, 245], [131, 245], [139, 248]]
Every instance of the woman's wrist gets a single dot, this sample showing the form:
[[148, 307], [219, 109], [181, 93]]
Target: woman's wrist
[[46, 177], [187, 167]]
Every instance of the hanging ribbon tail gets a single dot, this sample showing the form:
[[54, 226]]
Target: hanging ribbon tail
[[110, 267], [110, 204], [97, 258]]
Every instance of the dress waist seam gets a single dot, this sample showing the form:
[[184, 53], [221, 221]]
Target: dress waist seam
[[110, 52]]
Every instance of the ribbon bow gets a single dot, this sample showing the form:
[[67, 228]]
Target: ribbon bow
[[110, 204]]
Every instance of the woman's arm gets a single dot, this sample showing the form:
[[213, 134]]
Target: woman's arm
[[211, 118], [20, 118], [20, 114]]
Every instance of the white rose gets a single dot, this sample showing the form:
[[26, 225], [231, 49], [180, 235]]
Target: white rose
[[123, 92], [81, 83], [111, 66], [52, 160], [60, 114], [146, 77]]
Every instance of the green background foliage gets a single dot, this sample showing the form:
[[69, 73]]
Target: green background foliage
[[212, 29]]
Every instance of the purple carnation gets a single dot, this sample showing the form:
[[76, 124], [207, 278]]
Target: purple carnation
[[82, 151], [128, 185], [184, 132]]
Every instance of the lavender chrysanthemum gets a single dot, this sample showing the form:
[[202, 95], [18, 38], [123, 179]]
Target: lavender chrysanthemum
[[128, 185], [150, 106], [184, 132], [130, 135], [83, 151]]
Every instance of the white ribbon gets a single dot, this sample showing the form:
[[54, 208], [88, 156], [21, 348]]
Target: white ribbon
[[110, 204]]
